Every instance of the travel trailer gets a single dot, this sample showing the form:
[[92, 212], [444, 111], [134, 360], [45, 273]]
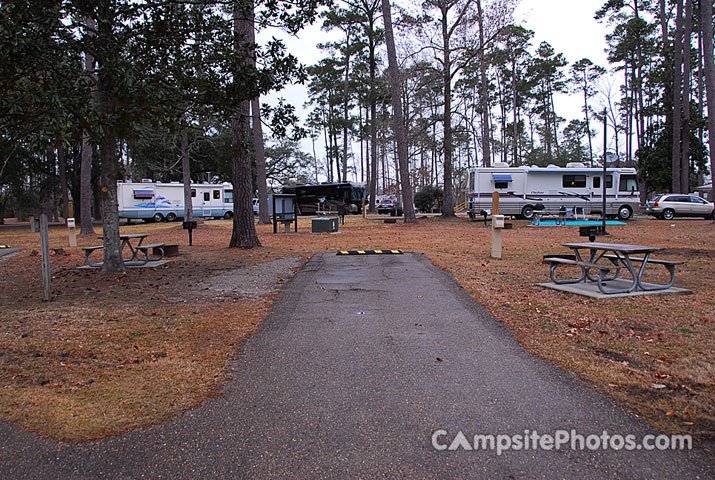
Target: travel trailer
[[525, 189], [165, 201]]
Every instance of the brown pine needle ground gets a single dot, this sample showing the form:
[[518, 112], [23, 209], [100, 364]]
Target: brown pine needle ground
[[115, 352]]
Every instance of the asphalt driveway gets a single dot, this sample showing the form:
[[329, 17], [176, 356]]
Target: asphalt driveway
[[362, 359]]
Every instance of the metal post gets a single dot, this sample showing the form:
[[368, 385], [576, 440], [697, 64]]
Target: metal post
[[275, 218], [45, 250]]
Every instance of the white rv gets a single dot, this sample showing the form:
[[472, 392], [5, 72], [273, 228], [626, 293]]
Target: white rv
[[524, 189], [165, 201]]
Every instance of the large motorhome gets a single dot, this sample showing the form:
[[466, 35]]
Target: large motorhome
[[165, 201], [524, 189], [315, 197]]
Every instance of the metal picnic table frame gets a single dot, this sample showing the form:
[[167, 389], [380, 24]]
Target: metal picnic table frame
[[620, 258], [125, 242]]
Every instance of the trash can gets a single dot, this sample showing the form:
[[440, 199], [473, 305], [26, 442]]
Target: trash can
[[325, 225]]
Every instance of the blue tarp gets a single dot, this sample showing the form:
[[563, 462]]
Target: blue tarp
[[580, 223], [502, 177]]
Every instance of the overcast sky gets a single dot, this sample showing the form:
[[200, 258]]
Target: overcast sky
[[568, 25]]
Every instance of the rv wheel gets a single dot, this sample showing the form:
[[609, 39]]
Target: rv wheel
[[228, 215], [624, 213], [158, 217], [170, 217], [527, 212]]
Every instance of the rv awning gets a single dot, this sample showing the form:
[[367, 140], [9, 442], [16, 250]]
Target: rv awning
[[501, 177], [143, 192]]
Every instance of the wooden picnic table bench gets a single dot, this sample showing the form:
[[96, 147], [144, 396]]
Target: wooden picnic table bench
[[153, 246]]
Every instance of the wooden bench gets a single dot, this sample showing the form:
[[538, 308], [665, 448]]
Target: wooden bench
[[155, 247], [556, 260], [170, 250], [88, 251]]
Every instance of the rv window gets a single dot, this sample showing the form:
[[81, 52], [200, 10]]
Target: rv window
[[217, 194], [574, 181], [629, 183], [471, 181], [193, 192], [501, 184], [597, 181], [228, 196], [207, 196], [143, 192]]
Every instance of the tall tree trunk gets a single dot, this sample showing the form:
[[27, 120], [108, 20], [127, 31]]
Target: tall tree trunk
[[243, 234], [372, 181], [108, 152], [62, 164], [261, 175], [315, 159], [483, 91], [706, 24], [108, 175], [244, 231], [639, 83], [677, 90], [85, 196], [258, 147], [448, 196], [701, 88], [400, 134], [186, 175], [685, 158], [361, 178], [515, 126], [326, 143], [346, 102]]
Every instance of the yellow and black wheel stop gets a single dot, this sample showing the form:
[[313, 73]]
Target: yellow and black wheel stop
[[369, 252]]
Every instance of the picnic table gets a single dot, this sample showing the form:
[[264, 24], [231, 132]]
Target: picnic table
[[559, 215], [136, 250], [620, 257]]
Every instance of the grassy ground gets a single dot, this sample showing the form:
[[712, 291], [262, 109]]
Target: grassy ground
[[114, 352]]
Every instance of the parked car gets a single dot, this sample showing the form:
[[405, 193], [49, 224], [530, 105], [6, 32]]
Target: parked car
[[388, 205], [668, 206], [255, 206]]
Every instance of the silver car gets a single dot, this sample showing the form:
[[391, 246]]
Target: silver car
[[668, 206]]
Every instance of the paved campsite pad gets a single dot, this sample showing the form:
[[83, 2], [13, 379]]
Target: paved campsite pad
[[344, 381]]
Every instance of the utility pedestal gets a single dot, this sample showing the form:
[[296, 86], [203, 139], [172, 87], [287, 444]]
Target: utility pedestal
[[497, 228], [72, 232]]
